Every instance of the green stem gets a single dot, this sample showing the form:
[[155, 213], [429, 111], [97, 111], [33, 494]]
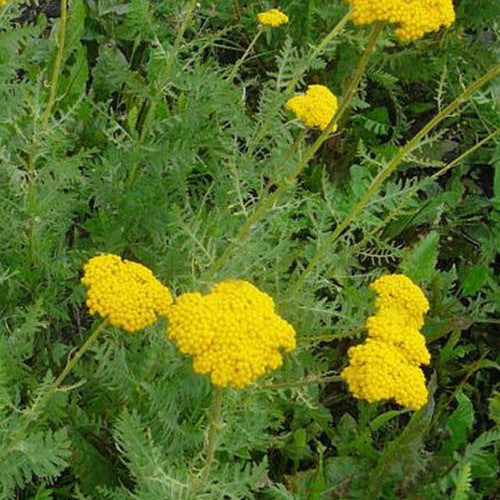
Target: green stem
[[240, 61], [42, 399], [267, 202], [358, 246], [56, 69], [213, 431], [301, 69], [390, 168], [161, 79]]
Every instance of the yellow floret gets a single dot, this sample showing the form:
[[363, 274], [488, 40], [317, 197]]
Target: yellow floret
[[398, 291], [233, 333], [378, 371], [272, 17], [315, 108], [124, 292], [391, 326], [414, 18]]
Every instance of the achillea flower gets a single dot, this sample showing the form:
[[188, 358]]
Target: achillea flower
[[414, 18], [395, 291], [315, 108], [391, 326], [272, 18], [124, 292], [379, 371], [233, 333], [387, 365]]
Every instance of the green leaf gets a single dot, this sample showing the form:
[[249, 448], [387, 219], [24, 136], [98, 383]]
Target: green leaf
[[474, 278], [420, 261], [459, 425]]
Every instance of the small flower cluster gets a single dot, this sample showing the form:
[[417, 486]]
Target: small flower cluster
[[414, 18], [233, 333], [315, 108], [272, 18], [387, 365], [124, 292]]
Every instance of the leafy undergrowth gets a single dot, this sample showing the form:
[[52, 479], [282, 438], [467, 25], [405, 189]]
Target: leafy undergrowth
[[157, 150]]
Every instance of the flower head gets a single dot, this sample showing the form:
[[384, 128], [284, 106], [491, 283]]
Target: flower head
[[397, 291], [124, 292], [233, 333], [387, 364], [414, 18], [272, 18], [379, 371], [315, 108]]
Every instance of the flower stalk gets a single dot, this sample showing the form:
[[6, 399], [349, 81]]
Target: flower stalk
[[213, 430], [268, 201], [389, 168], [30, 415], [56, 69]]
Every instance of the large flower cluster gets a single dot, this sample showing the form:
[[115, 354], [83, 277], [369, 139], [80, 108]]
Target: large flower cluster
[[387, 365], [315, 108], [233, 333], [124, 292], [414, 18], [272, 18]]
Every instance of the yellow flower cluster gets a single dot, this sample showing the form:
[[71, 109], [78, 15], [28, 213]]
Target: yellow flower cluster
[[272, 18], [387, 365], [414, 18], [315, 108], [233, 332], [124, 292]]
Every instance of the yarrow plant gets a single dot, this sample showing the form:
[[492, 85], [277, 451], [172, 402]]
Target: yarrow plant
[[316, 107], [125, 293], [233, 333], [387, 365], [272, 18], [414, 18]]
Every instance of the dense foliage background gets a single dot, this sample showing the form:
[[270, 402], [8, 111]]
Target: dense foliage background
[[156, 152]]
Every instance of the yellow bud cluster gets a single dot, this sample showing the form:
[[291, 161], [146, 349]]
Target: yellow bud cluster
[[387, 365], [272, 18], [414, 18], [124, 292], [315, 108], [233, 332]]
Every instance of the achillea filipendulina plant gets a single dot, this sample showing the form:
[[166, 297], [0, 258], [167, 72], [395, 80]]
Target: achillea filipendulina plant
[[387, 365], [233, 333], [124, 292], [414, 18], [315, 108], [272, 18]]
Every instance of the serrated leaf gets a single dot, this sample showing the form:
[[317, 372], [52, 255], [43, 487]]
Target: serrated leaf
[[474, 278], [420, 261]]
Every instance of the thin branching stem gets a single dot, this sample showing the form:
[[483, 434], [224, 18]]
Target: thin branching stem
[[297, 75], [213, 431], [32, 413], [161, 80], [457, 161], [243, 58], [268, 201], [389, 168], [56, 69]]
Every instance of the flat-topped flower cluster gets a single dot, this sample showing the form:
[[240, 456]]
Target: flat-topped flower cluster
[[387, 364], [233, 333], [414, 18]]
